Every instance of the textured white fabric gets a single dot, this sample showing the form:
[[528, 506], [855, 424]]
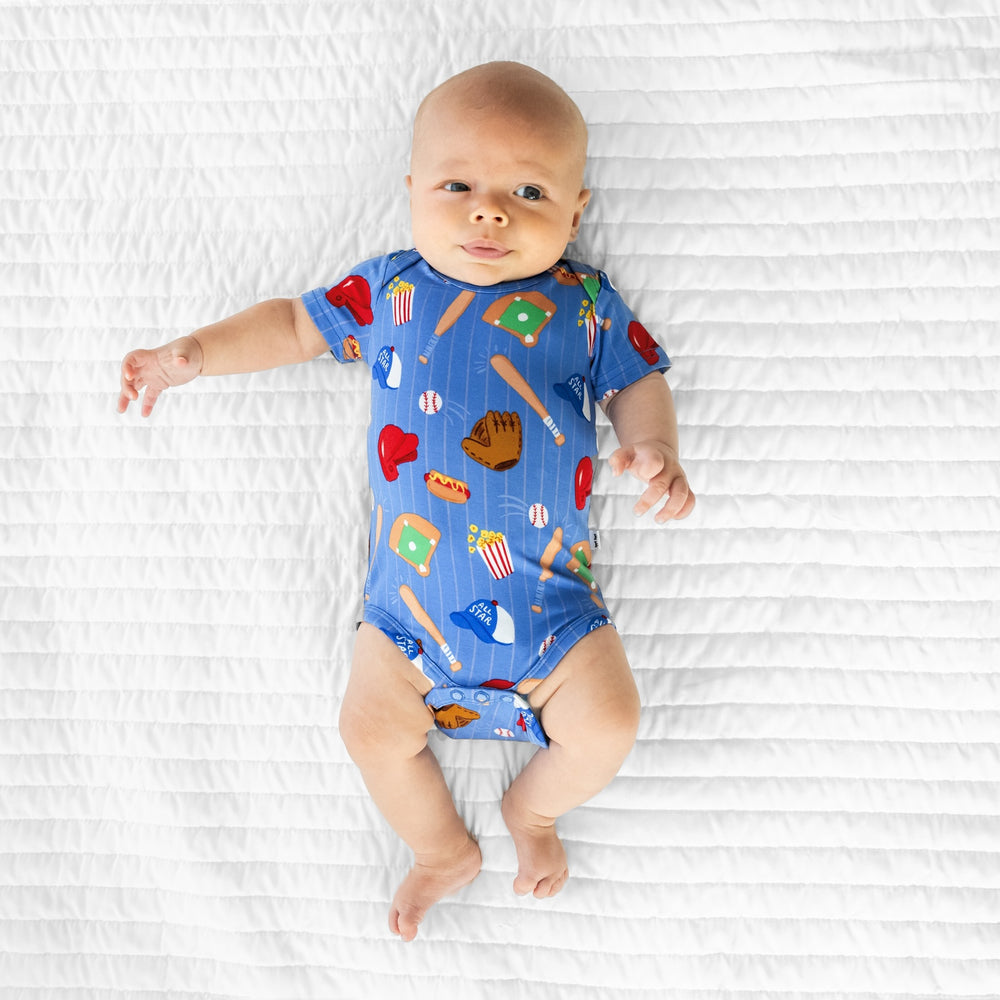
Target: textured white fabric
[[799, 198]]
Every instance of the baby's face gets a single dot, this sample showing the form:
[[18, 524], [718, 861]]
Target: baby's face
[[493, 199]]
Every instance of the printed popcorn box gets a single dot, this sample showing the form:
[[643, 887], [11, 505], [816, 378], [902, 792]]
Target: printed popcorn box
[[588, 319], [492, 547], [401, 294]]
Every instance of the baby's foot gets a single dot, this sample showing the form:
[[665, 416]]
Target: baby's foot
[[541, 857], [426, 884]]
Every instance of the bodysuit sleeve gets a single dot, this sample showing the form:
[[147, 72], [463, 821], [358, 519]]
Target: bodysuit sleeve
[[344, 312], [624, 351]]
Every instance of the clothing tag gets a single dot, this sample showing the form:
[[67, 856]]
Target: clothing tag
[[595, 539]]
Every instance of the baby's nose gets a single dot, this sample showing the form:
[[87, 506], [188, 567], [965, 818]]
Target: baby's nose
[[489, 211]]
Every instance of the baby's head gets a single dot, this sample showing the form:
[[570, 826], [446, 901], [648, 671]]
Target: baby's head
[[496, 174]]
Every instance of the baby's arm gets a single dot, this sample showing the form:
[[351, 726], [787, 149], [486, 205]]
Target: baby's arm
[[643, 417], [267, 335]]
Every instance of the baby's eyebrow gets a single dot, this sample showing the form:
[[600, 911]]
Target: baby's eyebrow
[[528, 171], [540, 171], [456, 166]]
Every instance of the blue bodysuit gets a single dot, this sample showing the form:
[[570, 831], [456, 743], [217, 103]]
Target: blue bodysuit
[[481, 454]]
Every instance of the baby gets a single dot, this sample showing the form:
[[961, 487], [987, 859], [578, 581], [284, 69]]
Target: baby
[[489, 353]]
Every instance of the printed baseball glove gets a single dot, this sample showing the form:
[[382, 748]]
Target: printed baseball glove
[[454, 716], [495, 441]]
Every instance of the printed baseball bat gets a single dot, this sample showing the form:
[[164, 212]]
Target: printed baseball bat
[[378, 535], [548, 557], [447, 321], [417, 610], [550, 553], [506, 370], [580, 564]]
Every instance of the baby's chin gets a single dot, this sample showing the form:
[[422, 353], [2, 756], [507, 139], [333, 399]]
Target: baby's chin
[[485, 273]]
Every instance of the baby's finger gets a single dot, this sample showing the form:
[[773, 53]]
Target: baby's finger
[[619, 459], [149, 398], [680, 502], [132, 365], [651, 496], [643, 463], [128, 392]]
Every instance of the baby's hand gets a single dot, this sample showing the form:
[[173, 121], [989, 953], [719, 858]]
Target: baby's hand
[[657, 465], [170, 365]]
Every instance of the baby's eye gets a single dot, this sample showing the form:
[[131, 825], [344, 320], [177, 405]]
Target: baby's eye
[[457, 186], [529, 192]]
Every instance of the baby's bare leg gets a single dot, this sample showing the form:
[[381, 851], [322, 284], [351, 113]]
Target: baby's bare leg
[[589, 708], [384, 724]]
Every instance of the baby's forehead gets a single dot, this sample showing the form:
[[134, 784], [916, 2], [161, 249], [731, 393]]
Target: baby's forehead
[[446, 128]]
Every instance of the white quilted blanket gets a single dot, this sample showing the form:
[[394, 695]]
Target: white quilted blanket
[[800, 199]]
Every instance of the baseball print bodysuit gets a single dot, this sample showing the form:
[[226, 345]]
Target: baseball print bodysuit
[[481, 453]]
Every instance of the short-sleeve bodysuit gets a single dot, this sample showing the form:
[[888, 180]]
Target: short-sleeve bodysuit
[[481, 452]]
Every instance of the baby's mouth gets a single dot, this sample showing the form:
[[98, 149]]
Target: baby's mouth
[[485, 249]]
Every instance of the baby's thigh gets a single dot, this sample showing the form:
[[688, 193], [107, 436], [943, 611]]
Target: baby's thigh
[[590, 691], [383, 706]]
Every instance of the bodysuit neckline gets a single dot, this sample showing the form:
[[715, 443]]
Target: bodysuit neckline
[[501, 288]]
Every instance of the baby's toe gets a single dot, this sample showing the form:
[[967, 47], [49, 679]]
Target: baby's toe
[[525, 884], [404, 922], [550, 885]]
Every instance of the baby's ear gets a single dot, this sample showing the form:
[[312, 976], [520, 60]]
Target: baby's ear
[[583, 199], [409, 183]]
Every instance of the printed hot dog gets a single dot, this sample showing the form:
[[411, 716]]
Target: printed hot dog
[[446, 487]]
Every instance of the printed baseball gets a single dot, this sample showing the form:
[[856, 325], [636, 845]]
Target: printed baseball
[[538, 515], [430, 401]]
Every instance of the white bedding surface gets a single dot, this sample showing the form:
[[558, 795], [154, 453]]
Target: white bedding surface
[[800, 200]]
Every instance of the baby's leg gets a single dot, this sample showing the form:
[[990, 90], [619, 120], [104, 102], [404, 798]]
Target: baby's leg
[[384, 724], [589, 708]]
